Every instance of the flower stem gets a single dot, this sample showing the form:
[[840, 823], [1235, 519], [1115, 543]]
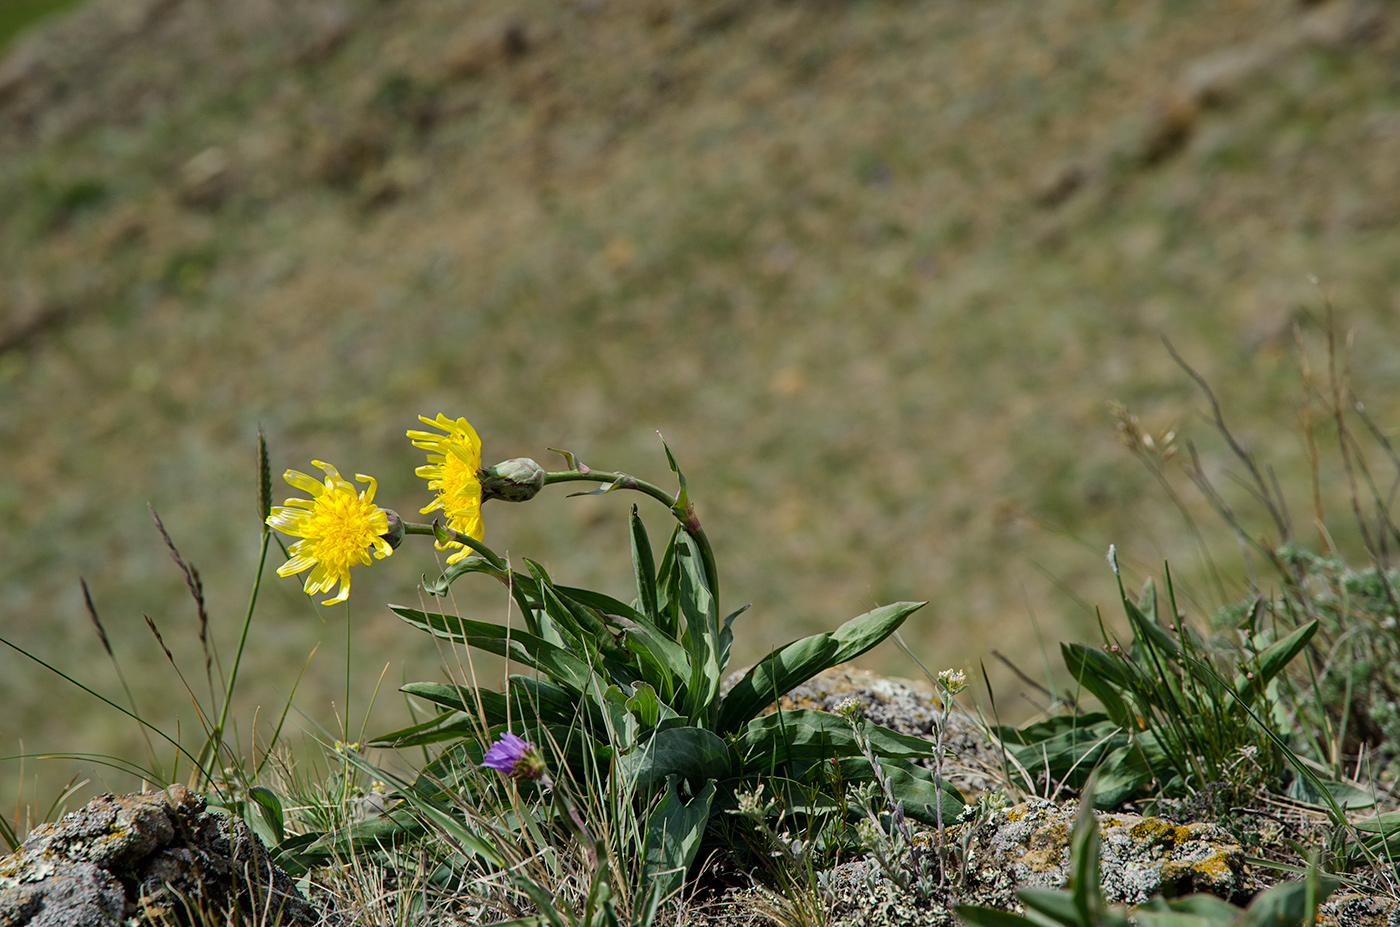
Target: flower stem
[[684, 512], [491, 556]]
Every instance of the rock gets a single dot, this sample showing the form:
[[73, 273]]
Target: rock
[[908, 707], [76, 895], [1027, 845], [138, 858]]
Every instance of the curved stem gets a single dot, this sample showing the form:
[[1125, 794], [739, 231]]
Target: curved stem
[[465, 539], [684, 512], [502, 569]]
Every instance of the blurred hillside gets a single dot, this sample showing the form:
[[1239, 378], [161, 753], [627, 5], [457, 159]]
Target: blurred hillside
[[874, 269]]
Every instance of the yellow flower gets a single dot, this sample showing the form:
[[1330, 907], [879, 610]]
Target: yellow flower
[[338, 526], [454, 462]]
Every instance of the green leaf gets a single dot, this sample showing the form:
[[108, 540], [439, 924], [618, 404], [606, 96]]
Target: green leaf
[[1273, 659], [682, 497], [270, 811], [1039, 731], [663, 662], [1147, 601], [649, 651], [581, 624], [532, 699], [644, 570], [978, 916], [1102, 675], [547, 701], [291, 854], [558, 664], [804, 735], [726, 637], [1381, 833], [789, 666], [645, 706], [372, 834], [601, 603], [701, 635], [622, 725], [773, 676], [450, 725], [1123, 773], [673, 835], [1191, 911], [668, 585], [463, 698], [1286, 905], [1084, 883], [692, 753], [1053, 906], [1148, 633], [1318, 791], [474, 563], [1066, 749]]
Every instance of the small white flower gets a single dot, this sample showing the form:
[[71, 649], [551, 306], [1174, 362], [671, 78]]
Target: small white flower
[[952, 681], [848, 708]]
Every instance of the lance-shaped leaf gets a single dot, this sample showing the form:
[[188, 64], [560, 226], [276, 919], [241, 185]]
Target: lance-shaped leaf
[[558, 664], [473, 564], [804, 735], [1103, 676], [449, 725], [701, 635], [581, 624], [531, 699], [1273, 660], [644, 570], [668, 585], [652, 654], [372, 834], [795, 663]]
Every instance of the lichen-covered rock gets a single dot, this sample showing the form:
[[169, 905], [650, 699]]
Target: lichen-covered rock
[[144, 857], [1028, 845], [909, 707], [1349, 909], [75, 895]]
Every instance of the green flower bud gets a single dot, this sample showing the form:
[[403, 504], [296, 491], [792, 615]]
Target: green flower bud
[[395, 533], [514, 480]]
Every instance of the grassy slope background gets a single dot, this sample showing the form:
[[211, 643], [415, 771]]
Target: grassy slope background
[[872, 268]]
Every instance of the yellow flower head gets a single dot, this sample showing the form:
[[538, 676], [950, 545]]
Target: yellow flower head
[[454, 460], [338, 526]]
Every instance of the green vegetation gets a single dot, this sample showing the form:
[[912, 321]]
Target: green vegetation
[[874, 270], [597, 788], [18, 15]]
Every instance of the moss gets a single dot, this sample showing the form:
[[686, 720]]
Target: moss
[[1211, 873], [1156, 831]]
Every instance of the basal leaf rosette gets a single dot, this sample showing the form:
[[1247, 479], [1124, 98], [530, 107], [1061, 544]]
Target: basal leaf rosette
[[453, 472], [339, 526]]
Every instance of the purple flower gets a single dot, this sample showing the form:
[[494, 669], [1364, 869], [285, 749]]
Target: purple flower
[[516, 757]]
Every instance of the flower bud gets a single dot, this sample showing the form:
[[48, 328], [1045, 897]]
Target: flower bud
[[514, 480], [395, 533]]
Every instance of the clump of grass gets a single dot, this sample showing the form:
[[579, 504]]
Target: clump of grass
[[1285, 694], [1346, 689]]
